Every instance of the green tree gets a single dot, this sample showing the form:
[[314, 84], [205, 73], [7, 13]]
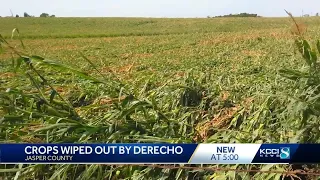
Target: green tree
[[17, 15], [26, 14], [44, 15]]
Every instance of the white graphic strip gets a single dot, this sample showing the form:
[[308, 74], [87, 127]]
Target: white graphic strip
[[224, 153]]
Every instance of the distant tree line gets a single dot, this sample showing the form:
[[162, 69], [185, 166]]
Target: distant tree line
[[41, 15], [240, 15], [26, 15], [46, 15], [254, 15]]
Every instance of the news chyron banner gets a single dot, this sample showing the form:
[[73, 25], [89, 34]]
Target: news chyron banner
[[159, 153]]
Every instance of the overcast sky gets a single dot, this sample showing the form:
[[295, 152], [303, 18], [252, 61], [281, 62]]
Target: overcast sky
[[157, 8]]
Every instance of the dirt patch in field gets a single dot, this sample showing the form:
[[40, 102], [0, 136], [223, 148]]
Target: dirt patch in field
[[299, 28], [62, 90], [222, 40], [220, 121], [228, 38], [30, 139], [108, 100], [247, 102], [120, 69], [140, 39], [225, 95], [107, 39], [124, 69], [5, 55], [7, 75], [254, 53], [280, 35], [233, 38], [179, 74]]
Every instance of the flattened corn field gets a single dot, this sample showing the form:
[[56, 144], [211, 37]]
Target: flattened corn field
[[118, 80]]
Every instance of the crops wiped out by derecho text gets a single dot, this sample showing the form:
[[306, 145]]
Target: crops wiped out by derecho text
[[145, 80]]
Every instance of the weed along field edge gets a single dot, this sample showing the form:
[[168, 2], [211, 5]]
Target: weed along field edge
[[129, 80]]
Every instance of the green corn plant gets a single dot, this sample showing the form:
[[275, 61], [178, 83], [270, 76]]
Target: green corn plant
[[305, 103]]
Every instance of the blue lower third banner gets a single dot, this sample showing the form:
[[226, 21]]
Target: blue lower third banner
[[160, 153]]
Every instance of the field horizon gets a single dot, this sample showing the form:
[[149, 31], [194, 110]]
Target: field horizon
[[110, 27]]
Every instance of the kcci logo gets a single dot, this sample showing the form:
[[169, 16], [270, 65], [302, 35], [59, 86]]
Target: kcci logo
[[282, 153]]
